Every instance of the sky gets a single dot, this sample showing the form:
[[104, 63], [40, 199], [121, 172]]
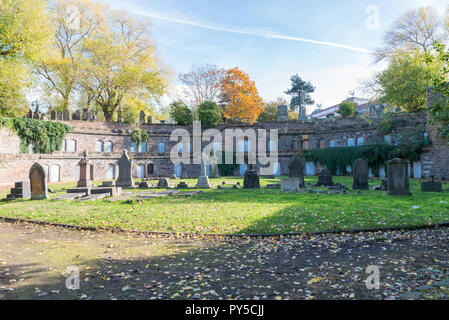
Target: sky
[[326, 42]]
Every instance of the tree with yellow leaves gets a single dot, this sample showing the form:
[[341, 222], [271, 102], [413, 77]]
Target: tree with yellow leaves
[[240, 97]]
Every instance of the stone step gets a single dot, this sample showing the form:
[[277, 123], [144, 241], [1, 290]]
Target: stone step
[[18, 191]]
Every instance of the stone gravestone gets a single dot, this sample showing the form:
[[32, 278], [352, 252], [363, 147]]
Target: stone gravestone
[[163, 183], [251, 180], [125, 172], [142, 117], [296, 169], [53, 115], [203, 179], [398, 180], [149, 120], [360, 176], [325, 178], [84, 181], [282, 113], [59, 115], [85, 114], [76, 115], [290, 184], [66, 115], [38, 182], [431, 186]]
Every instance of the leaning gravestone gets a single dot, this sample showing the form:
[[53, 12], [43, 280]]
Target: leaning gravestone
[[282, 113], [125, 174], [38, 182], [325, 178], [398, 180], [296, 169], [360, 176], [251, 180]]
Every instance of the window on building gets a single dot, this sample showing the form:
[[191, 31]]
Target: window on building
[[110, 172], [332, 144], [64, 145], [99, 147], [54, 173], [323, 144], [71, 146], [143, 147], [351, 142], [133, 147], [272, 146], [140, 171], [150, 169], [387, 139], [160, 147], [360, 141], [108, 146]]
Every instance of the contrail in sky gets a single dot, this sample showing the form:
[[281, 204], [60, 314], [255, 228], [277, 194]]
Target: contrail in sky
[[247, 32]]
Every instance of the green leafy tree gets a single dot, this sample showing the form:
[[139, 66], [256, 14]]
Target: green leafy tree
[[180, 113], [300, 92], [403, 84], [270, 111], [209, 113], [24, 33], [346, 109], [439, 109]]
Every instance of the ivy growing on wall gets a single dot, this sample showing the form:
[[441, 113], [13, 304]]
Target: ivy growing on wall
[[227, 169], [337, 159], [139, 136], [45, 136]]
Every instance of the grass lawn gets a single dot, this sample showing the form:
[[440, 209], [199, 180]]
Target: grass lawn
[[243, 211]]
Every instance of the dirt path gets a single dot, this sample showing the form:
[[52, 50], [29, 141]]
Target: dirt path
[[34, 261]]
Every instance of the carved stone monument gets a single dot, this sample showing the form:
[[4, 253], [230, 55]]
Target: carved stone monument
[[282, 113], [296, 169], [84, 181], [125, 172], [398, 179], [38, 182], [203, 179], [251, 180], [360, 176], [325, 178], [431, 186]]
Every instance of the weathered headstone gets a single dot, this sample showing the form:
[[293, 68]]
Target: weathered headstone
[[163, 183], [203, 179], [360, 176], [85, 114], [76, 115], [290, 184], [142, 117], [325, 178], [125, 172], [53, 115], [251, 180], [38, 182], [182, 185], [398, 179], [66, 115], [59, 115], [296, 169], [282, 113], [84, 181], [431, 186]]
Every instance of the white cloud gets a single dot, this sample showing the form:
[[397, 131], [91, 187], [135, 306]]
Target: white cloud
[[259, 32]]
